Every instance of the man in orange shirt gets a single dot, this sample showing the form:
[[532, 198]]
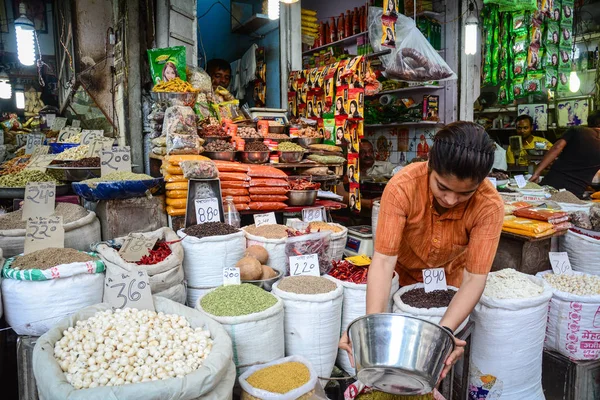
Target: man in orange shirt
[[440, 214]]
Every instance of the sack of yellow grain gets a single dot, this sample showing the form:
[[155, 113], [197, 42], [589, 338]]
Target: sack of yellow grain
[[176, 159], [175, 212]]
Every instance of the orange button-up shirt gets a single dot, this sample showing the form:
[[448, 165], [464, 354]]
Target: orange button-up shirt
[[409, 227]]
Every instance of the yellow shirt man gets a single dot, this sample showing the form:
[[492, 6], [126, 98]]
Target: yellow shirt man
[[525, 130]]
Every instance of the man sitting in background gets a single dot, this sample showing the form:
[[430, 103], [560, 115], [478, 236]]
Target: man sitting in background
[[220, 72], [524, 124]]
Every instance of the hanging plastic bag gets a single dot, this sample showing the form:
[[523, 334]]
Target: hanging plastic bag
[[413, 59]]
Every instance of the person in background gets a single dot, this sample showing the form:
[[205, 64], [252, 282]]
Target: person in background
[[578, 153], [524, 125], [220, 72]]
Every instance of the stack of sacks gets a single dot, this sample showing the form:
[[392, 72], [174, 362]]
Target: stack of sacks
[[527, 227], [176, 183], [559, 219], [234, 182], [310, 26]]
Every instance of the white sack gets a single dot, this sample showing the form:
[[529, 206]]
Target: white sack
[[278, 260], [584, 251]]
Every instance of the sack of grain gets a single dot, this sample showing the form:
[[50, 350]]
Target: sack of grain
[[213, 381], [35, 299], [583, 250], [278, 260], [166, 277], [338, 242]]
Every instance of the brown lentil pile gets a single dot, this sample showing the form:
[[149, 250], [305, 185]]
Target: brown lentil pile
[[89, 162], [271, 231], [50, 257], [305, 284], [566, 197], [280, 378], [256, 146], [219, 145], [210, 229], [69, 212], [420, 299]]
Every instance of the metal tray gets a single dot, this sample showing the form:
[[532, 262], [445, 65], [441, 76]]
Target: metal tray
[[76, 174], [19, 193]]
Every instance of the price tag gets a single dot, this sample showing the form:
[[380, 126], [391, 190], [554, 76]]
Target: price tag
[[560, 263], [231, 276], [42, 233], [76, 123], [434, 279], [129, 289], [265, 219], [136, 246], [521, 182], [305, 265], [314, 214], [40, 199], [49, 119], [207, 210], [40, 151], [115, 159], [67, 133], [20, 139], [34, 140], [41, 162], [89, 135], [494, 181], [96, 146], [58, 123]]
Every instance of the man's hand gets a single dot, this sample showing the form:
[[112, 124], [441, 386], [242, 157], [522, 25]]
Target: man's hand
[[534, 178], [345, 344], [458, 352]]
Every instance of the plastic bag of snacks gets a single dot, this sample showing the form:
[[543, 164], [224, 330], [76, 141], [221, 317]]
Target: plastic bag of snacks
[[199, 169], [167, 63]]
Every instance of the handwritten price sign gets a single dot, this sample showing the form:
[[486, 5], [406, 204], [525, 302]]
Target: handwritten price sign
[[207, 210], [42, 233], [40, 199], [128, 289], [58, 123], [305, 265], [40, 151], [265, 219], [560, 263], [97, 144], [34, 140], [89, 135], [115, 159], [136, 246], [315, 214], [231, 276], [434, 279], [521, 182], [67, 133], [41, 162]]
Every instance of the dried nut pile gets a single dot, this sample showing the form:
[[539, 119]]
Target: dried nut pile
[[270, 231], [73, 139], [237, 300], [277, 136], [510, 284], [210, 229], [213, 130], [289, 146], [323, 226], [219, 145], [280, 378], [305, 284], [247, 132], [581, 285], [74, 153], [21, 179], [50, 257], [256, 146], [115, 348], [420, 299], [89, 162]]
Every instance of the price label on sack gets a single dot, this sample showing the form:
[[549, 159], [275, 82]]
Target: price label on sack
[[560, 263], [41, 162], [305, 265], [521, 182], [58, 123], [115, 159], [33, 141], [40, 151], [434, 279], [40, 199], [67, 133], [97, 144], [136, 246], [265, 219], [89, 135], [313, 214], [207, 210], [42, 233], [231, 276], [128, 289], [493, 180]]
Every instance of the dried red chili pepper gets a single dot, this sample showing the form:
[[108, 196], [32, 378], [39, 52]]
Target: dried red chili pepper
[[158, 254]]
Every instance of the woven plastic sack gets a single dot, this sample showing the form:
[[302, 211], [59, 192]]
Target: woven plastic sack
[[275, 247], [117, 189], [581, 249]]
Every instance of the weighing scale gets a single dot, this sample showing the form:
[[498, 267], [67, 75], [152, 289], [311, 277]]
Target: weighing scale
[[360, 241], [269, 114]]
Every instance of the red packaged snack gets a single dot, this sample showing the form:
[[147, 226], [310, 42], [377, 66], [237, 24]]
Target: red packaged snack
[[242, 207], [543, 214], [267, 197], [229, 166], [239, 199], [264, 171], [233, 176], [268, 182], [268, 190], [234, 184], [267, 206], [234, 192]]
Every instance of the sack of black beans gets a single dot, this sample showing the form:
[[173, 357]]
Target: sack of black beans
[[166, 277], [413, 300]]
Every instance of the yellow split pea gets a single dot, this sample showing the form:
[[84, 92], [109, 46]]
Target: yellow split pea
[[280, 378]]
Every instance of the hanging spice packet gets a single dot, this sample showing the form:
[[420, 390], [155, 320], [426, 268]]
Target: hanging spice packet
[[329, 131], [551, 78], [352, 173], [520, 43], [555, 10], [566, 35], [302, 110], [520, 21], [534, 58], [388, 32], [518, 89], [292, 104], [551, 57], [565, 58], [390, 8], [329, 84], [292, 79], [351, 136], [351, 67], [354, 198], [341, 101], [338, 72], [340, 127], [503, 93], [310, 105], [567, 12], [356, 105], [167, 63], [563, 80], [321, 77], [533, 83], [552, 34], [535, 35], [519, 66]]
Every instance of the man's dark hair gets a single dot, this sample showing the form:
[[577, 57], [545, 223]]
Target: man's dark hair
[[523, 118], [594, 120], [217, 63], [462, 149]]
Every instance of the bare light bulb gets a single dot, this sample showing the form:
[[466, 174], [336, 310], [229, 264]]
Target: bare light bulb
[[471, 35], [5, 87], [574, 82], [25, 32], [20, 99], [289, 1], [273, 9]]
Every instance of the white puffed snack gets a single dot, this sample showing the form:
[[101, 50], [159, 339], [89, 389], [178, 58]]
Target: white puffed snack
[[510, 284], [579, 284], [129, 346]]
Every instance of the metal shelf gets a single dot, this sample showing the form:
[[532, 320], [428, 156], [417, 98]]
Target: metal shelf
[[409, 89], [349, 39]]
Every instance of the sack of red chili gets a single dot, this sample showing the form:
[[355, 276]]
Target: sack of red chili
[[164, 263]]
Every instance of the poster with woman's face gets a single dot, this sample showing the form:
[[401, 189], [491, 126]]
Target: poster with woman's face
[[352, 172], [354, 198], [390, 8]]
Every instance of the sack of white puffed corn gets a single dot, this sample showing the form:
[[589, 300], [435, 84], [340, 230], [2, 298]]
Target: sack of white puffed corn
[[166, 277], [213, 381], [35, 299], [573, 319]]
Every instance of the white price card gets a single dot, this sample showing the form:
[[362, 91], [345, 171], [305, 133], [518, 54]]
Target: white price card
[[88, 135], [265, 219], [207, 210], [305, 265], [49, 119], [20, 139], [42, 233], [76, 123], [58, 123], [130, 289], [521, 182], [231, 276], [40, 151], [40, 199], [34, 140], [434, 279], [67, 133], [40, 163], [97, 144], [115, 159], [313, 214], [136, 246], [560, 263], [493, 180]]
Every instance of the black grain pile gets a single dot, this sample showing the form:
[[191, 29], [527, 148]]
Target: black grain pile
[[418, 298], [210, 229]]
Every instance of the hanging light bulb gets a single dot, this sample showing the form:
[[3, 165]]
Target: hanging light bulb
[[20, 96], [25, 32], [471, 34], [5, 87], [574, 81], [273, 9], [289, 1]]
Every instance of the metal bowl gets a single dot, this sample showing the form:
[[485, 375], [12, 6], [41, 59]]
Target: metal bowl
[[277, 129], [290, 156], [220, 155], [302, 197], [176, 98], [305, 142], [399, 354], [255, 157], [208, 139], [286, 139], [265, 284]]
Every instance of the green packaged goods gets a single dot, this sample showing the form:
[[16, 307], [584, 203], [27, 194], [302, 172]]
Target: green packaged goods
[[552, 34], [566, 35], [119, 176], [20, 179], [503, 93], [520, 21], [280, 378], [305, 284], [566, 16], [329, 127], [517, 88], [533, 83], [167, 63], [289, 146], [564, 58], [520, 44], [551, 57], [563, 80], [519, 66], [237, 300], [551, 77], [326, 159]]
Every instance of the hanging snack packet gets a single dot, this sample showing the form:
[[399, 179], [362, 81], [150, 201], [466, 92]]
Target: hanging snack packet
[[167, 64], [388, 32], [551, 77], [503, 94], [518, 89], [565, 58], [329, 131], [535, 35], [555, 9], [338, 72], [341, 101], [520, 21], [566, 35], [533, 83], [534, 58], [567, 12], [520, 43], [563, 80], [292, 104], [519, 66], [356, 104], [340, 127], [551, 57], [552, 34]]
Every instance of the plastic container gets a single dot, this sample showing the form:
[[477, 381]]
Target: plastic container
[[231, 214]]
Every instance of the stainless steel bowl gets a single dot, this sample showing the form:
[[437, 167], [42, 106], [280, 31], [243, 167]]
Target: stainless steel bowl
[[277, 129], [305, 142], [302, 197], [208, 139], [255, 157], [291, 156], [399, 354], [266, 284], [220, 155]]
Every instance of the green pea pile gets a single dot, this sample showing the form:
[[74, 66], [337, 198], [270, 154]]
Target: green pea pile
[[237, 300], [21, 179], [289, 146]]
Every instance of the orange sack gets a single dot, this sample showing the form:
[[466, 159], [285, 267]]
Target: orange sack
[[264, 171], [268, 197], [234, 192], [268, 182], [234, 184], [239, 199], [267, 206], [175, 212], [269, 190], [242, 207], [233, 176], [229, 166]]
